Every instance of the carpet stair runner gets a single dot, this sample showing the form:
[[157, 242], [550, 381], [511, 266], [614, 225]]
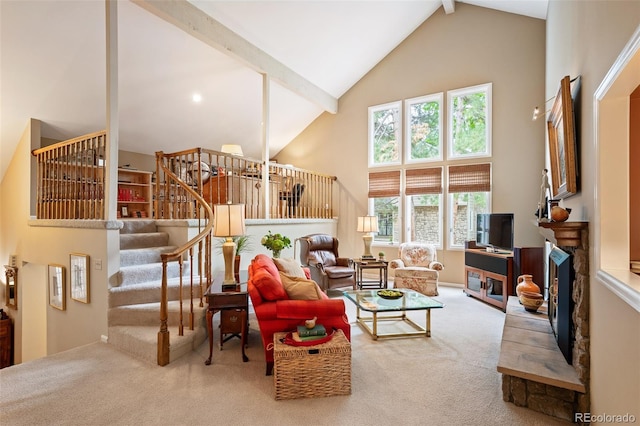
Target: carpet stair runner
[[134, 302]]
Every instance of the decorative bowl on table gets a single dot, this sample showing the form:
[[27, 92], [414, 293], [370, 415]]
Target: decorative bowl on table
[[531, 301], [390, 294]]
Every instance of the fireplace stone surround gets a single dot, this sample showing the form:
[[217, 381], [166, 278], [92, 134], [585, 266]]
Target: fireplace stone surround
[[542, 393]]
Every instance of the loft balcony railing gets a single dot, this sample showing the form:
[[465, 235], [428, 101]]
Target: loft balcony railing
[[71, 178], [223, 178]]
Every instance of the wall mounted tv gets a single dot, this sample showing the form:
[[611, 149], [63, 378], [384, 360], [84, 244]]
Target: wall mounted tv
[[495, 230]]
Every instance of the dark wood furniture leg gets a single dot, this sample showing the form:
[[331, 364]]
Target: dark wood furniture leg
[[210, 332]]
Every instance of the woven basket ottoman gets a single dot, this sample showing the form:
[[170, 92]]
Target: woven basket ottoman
[[312, 371]]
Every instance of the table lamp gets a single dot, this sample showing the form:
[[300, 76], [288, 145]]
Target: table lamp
[[228, 222], [232, 149], [367, 224]]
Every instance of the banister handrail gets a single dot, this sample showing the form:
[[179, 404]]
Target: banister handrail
[[68, 142], [203, 237]]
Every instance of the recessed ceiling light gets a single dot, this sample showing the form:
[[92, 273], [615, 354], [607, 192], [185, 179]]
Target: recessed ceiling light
[[197, 97]]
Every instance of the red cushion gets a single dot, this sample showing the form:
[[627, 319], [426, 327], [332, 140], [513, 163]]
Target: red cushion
[[269, 287], [262, 261]]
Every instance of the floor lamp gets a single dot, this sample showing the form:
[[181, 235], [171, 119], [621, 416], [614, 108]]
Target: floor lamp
[[367, 224], [228, 222]]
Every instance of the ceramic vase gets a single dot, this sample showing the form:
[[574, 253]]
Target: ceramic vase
[[525, 283]]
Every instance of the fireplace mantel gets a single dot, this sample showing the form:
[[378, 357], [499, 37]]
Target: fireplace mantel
[[567, 234]]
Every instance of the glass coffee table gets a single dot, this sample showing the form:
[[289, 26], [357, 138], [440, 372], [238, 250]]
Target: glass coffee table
[[371, 301]]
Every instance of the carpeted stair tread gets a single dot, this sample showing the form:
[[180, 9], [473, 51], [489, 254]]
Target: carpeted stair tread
[[138, 256], [138, 226], [149, 314], [150, 272], [142, 341], [149, 292], [143, 240]]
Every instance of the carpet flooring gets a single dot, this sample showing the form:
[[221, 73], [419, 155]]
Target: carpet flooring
[[448, 379]]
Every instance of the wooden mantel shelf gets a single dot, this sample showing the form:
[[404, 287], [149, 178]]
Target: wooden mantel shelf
[[566, 234]]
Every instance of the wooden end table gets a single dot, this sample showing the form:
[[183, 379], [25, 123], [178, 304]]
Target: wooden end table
[[380, 265], [233, 304]]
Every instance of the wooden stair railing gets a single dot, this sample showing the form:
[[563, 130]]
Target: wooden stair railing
[[201, 244]]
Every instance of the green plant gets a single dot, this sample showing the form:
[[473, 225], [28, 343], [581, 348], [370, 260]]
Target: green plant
[[243, 244], [275, 242]]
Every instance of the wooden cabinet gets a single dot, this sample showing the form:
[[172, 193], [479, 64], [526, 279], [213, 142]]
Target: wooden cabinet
[[134, 193], [6, 342], [489, 276]]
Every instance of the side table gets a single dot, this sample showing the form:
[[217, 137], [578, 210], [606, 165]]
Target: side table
[[233, 305], [380, 265]]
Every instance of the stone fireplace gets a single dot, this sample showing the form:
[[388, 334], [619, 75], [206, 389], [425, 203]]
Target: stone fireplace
[[530, 377]]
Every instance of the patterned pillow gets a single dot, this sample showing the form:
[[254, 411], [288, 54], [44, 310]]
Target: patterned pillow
[[290, 267], [268, 286], [298, 288]]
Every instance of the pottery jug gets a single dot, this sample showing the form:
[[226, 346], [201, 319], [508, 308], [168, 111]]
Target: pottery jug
[[525, 283]]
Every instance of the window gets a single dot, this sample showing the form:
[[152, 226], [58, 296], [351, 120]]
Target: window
[[423, 188], [412, 200], [384, 189], [469, 194], [384, 134], [423, 132], [470, 122]]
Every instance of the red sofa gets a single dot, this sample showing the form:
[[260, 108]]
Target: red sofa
[[277, 313]]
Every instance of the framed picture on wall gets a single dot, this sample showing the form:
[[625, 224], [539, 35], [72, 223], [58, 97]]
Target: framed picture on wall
[[562, 143], [79, 278], [57, 286]]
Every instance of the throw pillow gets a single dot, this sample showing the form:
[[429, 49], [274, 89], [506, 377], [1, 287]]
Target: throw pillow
[[290, 267], [268, 286], [298, 288]]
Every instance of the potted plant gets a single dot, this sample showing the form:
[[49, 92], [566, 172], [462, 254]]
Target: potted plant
[[275, 243], [381, 255]]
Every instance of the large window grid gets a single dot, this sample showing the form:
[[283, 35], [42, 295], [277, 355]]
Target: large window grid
[[410, 208]]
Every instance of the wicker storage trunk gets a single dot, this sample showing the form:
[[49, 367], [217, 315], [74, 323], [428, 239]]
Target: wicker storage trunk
[[312, 371]]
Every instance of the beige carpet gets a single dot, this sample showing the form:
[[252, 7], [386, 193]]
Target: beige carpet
[[448, 379]]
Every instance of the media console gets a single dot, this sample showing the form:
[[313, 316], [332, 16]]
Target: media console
[[491, 276]]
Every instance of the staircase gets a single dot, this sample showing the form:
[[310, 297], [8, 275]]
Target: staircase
[[134, 303]]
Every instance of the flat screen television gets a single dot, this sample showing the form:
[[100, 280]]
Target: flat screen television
[[495, 230]]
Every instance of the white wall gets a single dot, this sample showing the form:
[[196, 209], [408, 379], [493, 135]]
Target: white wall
[[469, 47]]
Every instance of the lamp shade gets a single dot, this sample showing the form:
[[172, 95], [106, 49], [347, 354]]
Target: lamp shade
[[367, 224], [228, 220], [232, 149]]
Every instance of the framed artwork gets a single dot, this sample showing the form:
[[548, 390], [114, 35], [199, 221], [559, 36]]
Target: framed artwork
[[562, 143], [57, 287], [125, 211], [79, 278]]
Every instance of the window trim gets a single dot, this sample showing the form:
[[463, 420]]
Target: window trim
[[437, 97], [488, 89], [370, 143]]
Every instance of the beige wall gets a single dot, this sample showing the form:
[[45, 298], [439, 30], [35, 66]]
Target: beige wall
[[469, 47], [585, 38], [40, 329]]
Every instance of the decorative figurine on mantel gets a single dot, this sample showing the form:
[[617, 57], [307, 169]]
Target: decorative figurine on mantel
[[542, 204]]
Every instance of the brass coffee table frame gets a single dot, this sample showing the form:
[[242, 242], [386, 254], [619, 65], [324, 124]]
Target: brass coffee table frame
[[369, 301]]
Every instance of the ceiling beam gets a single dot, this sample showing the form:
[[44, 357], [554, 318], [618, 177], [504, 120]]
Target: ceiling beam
[[449, 6], [195, 22]]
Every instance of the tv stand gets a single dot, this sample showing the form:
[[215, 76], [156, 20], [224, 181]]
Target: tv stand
[[491, 276]]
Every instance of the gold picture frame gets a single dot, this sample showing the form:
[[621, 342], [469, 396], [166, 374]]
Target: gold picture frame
[[57, 286], [79, 277], [562, 143]]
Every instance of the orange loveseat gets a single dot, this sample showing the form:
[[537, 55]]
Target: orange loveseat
[[276, 312]]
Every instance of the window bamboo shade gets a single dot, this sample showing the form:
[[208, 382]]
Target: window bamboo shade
[[384, 184], [470, 178], [424, 181]]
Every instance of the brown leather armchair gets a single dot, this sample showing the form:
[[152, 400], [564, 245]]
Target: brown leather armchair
[[319, 252]]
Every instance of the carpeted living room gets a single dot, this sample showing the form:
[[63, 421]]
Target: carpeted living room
[[75, 358], [448, 378]]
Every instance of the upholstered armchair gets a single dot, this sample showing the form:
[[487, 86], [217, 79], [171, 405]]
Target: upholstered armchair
[[417, 268], [319, 252]]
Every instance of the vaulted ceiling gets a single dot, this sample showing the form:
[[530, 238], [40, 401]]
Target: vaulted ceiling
[[53, 67]]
